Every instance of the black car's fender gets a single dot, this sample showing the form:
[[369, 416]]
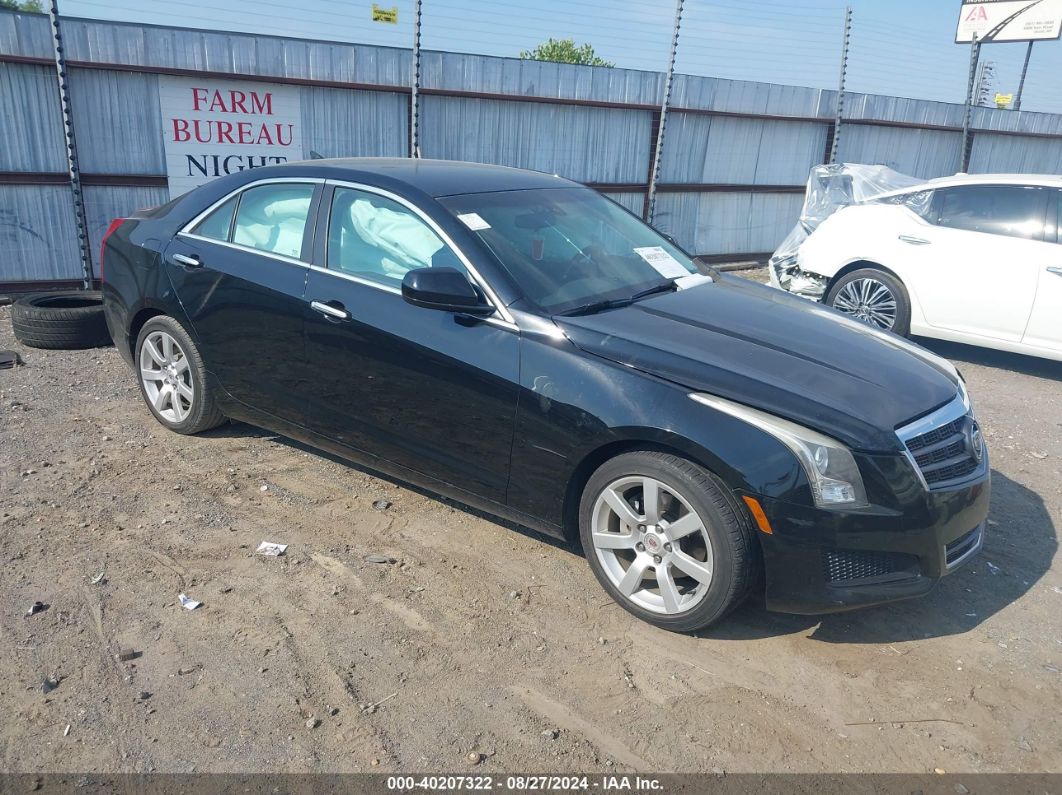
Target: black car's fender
[[577, 410]]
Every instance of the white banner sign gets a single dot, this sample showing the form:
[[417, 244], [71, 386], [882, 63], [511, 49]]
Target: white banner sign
[[1009, 20], [215, 127]]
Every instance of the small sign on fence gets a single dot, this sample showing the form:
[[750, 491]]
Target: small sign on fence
[[1003, 100], [215, 127], [388, 15], [1009, 20]]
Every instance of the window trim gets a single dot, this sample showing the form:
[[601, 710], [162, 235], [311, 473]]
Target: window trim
[[317, 182], [505, 318]]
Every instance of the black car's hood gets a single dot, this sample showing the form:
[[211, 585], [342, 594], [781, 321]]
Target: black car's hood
[[773, 351]]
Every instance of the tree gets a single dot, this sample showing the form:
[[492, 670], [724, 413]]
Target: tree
[[565, 51], [33, 6]]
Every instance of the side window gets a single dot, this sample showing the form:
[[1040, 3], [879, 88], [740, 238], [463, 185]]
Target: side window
[[217, 225], [273, 218], [1012, 210], [379, 239]]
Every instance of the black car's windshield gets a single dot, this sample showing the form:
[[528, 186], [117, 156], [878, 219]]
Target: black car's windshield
[[571, 250]]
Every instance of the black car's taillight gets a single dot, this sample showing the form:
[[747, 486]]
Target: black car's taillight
[[103, 245]]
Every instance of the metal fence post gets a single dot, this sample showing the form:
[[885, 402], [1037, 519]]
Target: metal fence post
[[967, 116], [837, 118], [414, 108], [1024, 71], [73, 169], [658, 150]]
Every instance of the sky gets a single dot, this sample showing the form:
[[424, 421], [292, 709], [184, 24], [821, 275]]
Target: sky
[[898, 47]]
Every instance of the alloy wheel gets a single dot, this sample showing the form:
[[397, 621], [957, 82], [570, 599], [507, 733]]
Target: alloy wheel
[[166, 376], [652, 544], [868, 300]]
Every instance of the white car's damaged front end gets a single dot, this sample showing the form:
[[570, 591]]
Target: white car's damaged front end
[[786, 274], [830, 189]]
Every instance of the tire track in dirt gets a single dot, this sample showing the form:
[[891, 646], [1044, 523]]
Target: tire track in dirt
[[565, 717]]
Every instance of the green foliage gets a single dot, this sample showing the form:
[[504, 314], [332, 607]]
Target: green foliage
[[33, 6], [563, 51]]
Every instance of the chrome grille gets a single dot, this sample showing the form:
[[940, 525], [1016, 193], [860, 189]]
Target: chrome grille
[[946, 447]]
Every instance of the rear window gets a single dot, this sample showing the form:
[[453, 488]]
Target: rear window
[[217, 225]]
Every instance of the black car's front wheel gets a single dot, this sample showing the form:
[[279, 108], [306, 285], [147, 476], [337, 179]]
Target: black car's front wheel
[[172, 378], [666, 539]]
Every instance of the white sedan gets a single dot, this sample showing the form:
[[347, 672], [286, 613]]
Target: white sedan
[[969, 258]]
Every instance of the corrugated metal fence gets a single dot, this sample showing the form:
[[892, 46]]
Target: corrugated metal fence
[[734, 161]]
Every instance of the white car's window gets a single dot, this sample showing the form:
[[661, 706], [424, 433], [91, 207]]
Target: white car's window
[[1012, 210], [375, 238], [273, 218]]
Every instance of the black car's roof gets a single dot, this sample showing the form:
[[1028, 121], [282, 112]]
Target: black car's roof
[[432, 177]]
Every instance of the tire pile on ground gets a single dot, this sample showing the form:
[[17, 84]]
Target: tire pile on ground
[[60, 320]]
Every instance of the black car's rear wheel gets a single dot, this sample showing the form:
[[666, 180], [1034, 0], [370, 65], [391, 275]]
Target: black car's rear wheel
[[172, 378], [666, 539]]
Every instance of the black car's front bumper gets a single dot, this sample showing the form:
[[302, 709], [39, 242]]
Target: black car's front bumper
[[822, 561]]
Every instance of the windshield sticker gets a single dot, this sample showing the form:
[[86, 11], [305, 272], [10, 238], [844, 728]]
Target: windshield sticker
[[473, 221], [666, 265]]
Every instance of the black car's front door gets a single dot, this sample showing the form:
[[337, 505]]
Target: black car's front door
[[240, 274], [425, 389]]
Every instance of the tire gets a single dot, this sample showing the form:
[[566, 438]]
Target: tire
[[721, 540], [180, 396], [70, 320], [845, 296]]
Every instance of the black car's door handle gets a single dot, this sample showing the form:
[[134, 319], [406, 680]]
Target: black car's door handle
[[333, 309], [186, 261]]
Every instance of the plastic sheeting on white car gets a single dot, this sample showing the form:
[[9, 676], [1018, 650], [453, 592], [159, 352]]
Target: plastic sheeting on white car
[[829, 189]]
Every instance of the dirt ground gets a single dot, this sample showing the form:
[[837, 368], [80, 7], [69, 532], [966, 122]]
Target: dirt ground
[[480, 637]]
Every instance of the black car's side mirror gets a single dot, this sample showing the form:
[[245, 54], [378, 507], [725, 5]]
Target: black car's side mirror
[[446, 289]]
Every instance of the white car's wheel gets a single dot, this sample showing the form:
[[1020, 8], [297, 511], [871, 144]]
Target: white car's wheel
[[874, 297]]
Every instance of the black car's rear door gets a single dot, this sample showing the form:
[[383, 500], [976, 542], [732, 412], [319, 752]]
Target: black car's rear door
[[240, 273], [422, 388]]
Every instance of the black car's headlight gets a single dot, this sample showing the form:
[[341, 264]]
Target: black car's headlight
[[829, 465]]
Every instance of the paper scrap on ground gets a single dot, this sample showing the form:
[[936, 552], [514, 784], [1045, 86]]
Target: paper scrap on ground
[[666, 265], [187, 603], [473, 221], [271, 549]]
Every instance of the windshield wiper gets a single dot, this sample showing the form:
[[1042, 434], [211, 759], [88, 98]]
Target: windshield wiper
[[613, 303], [596, 306], [663, 287]]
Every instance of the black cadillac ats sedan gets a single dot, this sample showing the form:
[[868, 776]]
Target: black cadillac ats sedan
[[522, 344]]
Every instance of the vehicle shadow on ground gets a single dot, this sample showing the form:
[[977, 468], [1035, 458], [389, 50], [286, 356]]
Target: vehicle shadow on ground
[[987, 357], [241, 430], [1019, 546]]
